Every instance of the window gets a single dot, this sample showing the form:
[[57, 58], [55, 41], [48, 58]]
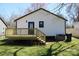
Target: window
[[41, 24]]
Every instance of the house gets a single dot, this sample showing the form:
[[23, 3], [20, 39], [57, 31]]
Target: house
[[76, 25], [40, 22], [74, 30], [3, 26], [45, 21]]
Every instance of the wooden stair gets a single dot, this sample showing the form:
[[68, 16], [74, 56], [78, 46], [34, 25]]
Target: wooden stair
[[41, 41]]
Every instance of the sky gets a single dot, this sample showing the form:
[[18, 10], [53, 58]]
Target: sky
[[8, 9]]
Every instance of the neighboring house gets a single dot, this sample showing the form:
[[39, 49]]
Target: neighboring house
[[76, 25], [3, 26], [74, 30], [48, 23]]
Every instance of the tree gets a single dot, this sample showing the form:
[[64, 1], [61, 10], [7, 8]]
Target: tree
[[35, 6], [71, 9], [77, 16], [59, 7], [12, 24]]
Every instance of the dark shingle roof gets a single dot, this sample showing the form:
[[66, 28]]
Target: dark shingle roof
[[3, 21]]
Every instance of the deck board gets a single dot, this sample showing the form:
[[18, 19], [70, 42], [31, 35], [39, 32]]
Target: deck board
[[21, 37]]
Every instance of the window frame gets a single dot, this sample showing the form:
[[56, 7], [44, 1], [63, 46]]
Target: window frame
[[41, 25]]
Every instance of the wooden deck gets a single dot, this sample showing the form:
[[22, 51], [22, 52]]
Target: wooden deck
[[22, 34], [22, 37]]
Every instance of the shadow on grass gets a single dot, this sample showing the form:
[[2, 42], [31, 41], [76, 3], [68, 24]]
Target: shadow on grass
[[15, 53], [62, 49], [20, 42], [76, 37], [50, 50], [56, 51]]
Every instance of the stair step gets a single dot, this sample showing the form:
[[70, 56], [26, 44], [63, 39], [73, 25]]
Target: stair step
[[41, 40]]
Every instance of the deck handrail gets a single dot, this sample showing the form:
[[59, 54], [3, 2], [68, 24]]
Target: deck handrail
[[40, 31], [37, 32], [41, 35]]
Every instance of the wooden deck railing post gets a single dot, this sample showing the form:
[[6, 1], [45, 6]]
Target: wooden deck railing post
[[24, 31], [41, 35]]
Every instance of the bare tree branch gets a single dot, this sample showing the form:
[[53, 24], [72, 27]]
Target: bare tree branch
[[35, 6]]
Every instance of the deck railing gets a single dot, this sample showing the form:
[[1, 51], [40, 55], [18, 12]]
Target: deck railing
[[18, 31], [10, 31], [25, 31], [40, 35]]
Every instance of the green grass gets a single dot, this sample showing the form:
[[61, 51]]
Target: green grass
[[50, 49]]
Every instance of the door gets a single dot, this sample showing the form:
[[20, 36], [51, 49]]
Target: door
[[30, 28]]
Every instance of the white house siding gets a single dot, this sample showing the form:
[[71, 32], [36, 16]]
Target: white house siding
[[2, 28], [52, 24]]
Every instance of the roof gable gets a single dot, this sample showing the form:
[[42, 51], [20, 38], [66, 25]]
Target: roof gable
[[38, 10], [3, 21]]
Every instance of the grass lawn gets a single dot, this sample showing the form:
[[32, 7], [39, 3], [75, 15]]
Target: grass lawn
[[50, 49]]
